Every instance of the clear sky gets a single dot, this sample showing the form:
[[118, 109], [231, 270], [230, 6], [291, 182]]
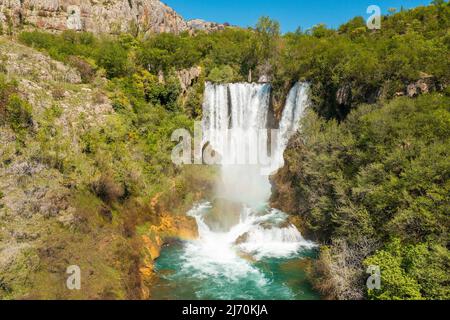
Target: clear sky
[[290, 13]]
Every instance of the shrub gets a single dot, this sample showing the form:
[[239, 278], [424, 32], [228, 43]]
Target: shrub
[[6, 89], [38, 39], [86, 70], [58, 93], [18, 113], [396, 284], [113, 58], [107, 189], [3, 60], [14, 111]]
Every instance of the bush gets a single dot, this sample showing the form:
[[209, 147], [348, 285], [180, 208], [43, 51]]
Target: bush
[[18, 113], [107, 189], [86, 70], [6, 90], [396, 284], [411, 271], [114, 59], [14, 111], [58, 93], [39, 39], [165, 51]]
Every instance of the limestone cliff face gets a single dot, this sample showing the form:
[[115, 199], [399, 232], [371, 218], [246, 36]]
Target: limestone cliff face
[[97, 16]]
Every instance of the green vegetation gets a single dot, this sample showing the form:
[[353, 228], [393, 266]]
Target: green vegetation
[[412, 271], [14, 111], [369, 175], [352, 61], [380, 178]]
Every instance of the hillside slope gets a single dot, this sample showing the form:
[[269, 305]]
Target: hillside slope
[[76, 184]]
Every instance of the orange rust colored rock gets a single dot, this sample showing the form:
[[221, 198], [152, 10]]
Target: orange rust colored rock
[[170, 226]]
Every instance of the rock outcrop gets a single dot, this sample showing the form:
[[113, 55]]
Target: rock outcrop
[[169, 227], [425, 84], [202, 25], [99, 16], [188, 76], [344, 93]]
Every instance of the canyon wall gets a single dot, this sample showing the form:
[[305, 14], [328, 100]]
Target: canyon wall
[[98, 16]]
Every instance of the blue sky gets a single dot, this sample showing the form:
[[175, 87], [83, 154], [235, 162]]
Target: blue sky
[[290, 13]]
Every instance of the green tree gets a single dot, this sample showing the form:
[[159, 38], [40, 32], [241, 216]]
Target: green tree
[[113, 58], [269, 35], [223, 74]]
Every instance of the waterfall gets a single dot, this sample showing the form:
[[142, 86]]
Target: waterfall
[[235, 118], [238, 231], [296, 103], [236, 123]]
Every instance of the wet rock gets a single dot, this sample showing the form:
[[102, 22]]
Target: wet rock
[[169, 227]]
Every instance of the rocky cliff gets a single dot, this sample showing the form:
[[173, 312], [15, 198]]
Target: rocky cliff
[[98, 16]]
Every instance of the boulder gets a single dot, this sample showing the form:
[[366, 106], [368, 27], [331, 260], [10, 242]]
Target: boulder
[[224, 215]]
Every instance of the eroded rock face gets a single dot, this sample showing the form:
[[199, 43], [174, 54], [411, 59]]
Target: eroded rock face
[[188, 76], [202, 25], [343, 95], [97, 16], [169, 227]]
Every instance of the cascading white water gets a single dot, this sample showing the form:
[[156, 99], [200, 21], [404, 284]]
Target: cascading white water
[[245, 248], [238, 113], [234, 114], [235, 123], [296, 103]]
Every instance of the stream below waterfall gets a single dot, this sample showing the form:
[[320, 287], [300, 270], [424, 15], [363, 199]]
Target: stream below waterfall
[[245, 249], [268, 265]]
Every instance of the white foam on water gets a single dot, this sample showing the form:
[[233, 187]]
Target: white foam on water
[[213, 254]]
